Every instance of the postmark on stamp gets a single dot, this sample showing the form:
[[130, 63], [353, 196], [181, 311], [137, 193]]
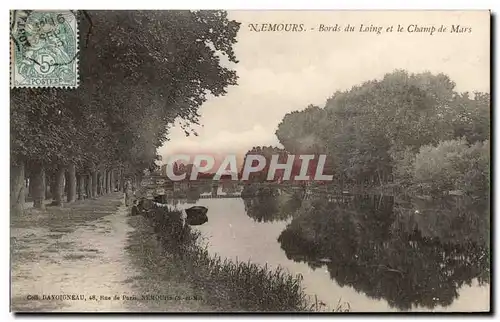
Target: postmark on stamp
[[44, 48]]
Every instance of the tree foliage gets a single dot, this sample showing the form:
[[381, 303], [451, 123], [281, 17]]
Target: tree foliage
[[372, 132], [139, 71], [267, 152], [453, 165]]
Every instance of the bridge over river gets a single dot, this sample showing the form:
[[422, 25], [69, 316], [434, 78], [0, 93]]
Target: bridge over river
[[154, 186]]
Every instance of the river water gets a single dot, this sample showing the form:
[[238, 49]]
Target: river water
[[376, 253]]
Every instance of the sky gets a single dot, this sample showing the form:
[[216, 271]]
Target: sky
[[280, 72]]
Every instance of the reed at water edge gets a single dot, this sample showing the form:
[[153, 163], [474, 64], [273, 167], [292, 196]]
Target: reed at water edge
[[246, 285]]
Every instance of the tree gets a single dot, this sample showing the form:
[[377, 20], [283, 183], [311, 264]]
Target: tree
[[139, 71], [470, 118], [297, 132], [267, 152], [453, 165], [372, 132]]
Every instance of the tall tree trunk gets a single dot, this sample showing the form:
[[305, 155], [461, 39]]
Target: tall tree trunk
[[59, 186], [99, 177], [30, 187], [38, 180], [109, 181], [71, 182], [52, 183], [120, 181], [101, 182], [81, 186], [50, 186], [48, 191], [88, 185], [65, 184], [103, 177], [17, 188], [94, 183], [44, 184], [106, 181], [112, 180]]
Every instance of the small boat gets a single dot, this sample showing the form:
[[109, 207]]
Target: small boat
[[196, 215]]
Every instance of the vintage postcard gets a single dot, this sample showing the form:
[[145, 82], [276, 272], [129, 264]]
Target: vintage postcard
[[250, 161]]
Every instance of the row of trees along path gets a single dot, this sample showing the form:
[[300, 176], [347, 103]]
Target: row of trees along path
[[139, 71]]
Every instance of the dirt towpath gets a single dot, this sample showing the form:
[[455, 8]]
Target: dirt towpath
[[75, 250]]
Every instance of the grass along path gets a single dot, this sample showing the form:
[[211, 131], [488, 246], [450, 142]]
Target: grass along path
[[173, 262], [160, 274]]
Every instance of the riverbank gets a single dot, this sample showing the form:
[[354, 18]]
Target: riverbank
[[387, 189], [174, 256], [64, 256], [160, 273]]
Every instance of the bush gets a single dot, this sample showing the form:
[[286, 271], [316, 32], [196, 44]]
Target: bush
[[476, 169], [453, 165], [403, 165]]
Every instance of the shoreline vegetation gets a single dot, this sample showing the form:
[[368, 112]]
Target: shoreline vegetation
[[413, 134], [388, 189], [224, 284]]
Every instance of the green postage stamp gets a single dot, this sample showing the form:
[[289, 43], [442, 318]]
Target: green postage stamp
[[44, 48]]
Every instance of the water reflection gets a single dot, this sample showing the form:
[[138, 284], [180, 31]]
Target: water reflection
[[410, 253], [272, 204]]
